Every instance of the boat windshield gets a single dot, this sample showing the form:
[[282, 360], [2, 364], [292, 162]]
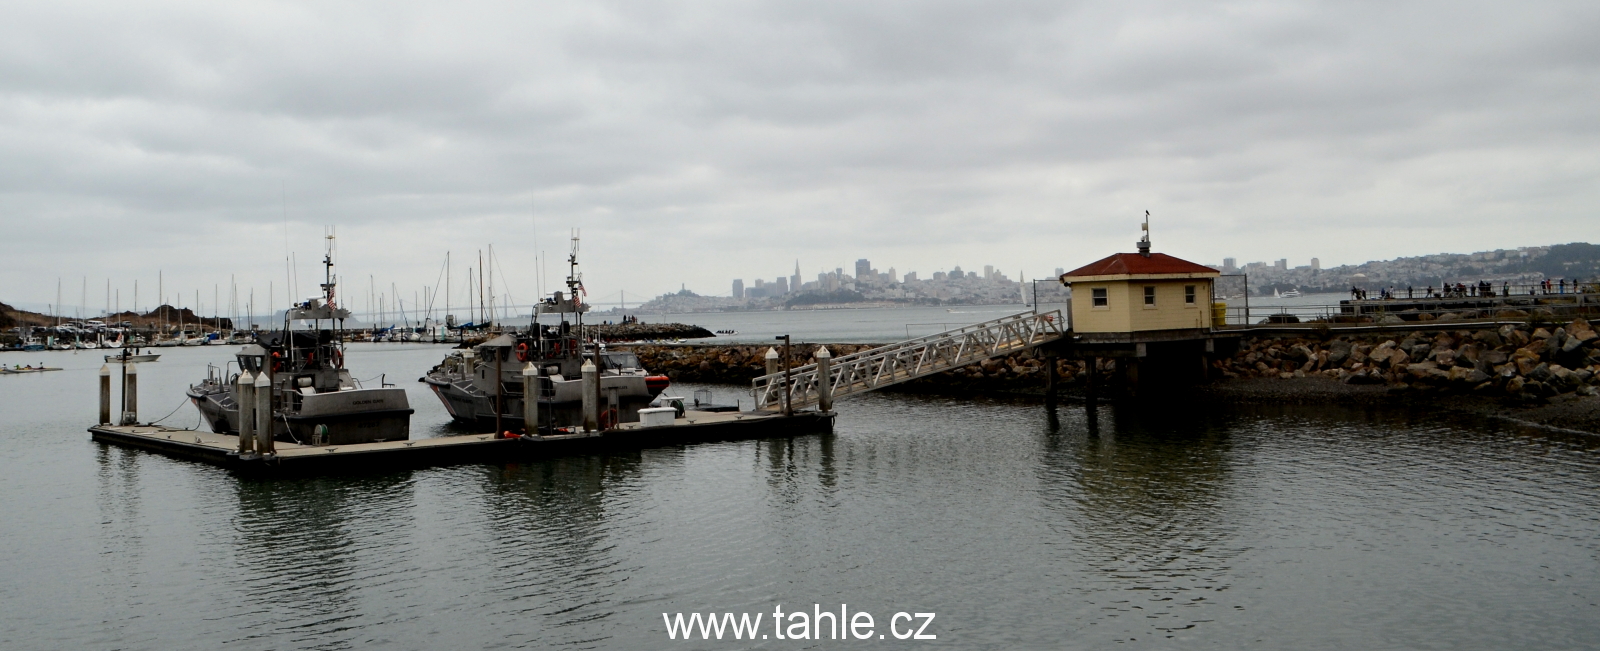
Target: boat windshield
[[622, 360]]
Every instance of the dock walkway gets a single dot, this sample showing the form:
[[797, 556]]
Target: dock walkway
[[693, 427]]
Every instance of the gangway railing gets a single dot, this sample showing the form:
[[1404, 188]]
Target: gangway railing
[[884, 366]]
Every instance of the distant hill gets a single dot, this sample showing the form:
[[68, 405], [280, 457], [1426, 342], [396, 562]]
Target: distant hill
[[1521, 266]]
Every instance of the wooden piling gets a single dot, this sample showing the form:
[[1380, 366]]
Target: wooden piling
[[824, 379], [105, 395], [530, 398], [263, 414], [591, 398], [130, 395], [245, 389]]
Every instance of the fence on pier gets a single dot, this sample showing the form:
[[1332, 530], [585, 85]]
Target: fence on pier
[[908, 360], [1449, 308]]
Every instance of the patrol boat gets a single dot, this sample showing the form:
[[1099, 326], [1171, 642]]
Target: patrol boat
[[314, 399], [483, 385]]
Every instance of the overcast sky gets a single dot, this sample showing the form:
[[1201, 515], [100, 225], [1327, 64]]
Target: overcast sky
[[698, 142]]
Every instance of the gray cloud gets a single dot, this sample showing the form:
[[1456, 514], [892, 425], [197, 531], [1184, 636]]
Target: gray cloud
[[697, 142]]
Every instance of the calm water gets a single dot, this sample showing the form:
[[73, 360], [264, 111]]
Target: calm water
[[1175, 528]]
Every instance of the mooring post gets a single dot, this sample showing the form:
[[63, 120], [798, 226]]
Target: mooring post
[[1091, 392], [772, 360], [530, 398], [788, 383], [105, 395], [245, 390], [130, 399], [824, 379], [499, 392], [1050, 378], [591, 396], [264, 414]]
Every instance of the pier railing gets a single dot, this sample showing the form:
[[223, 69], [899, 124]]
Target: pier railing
[[1420, 309], [908, 360]]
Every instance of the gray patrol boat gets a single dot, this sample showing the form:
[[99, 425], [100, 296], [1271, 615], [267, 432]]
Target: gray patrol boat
[[484, 385], [314, 400]]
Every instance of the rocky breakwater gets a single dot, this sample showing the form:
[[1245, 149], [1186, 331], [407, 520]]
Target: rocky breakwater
[[1521, 363], [648, 331], [1018, 372]]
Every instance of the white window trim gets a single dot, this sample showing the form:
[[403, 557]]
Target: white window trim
[[1191, 305], [1101, 308], [1154, 294]]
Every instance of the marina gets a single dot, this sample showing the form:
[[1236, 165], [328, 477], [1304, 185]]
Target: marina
[[1138, 523]]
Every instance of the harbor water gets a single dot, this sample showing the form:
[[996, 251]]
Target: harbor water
[[1190, 526]]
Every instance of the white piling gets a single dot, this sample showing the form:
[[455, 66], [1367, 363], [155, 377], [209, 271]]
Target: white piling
[[130, 399], [264, 414], [530, 398], [245, 398], [591, 396], [824, 379], [772, 361], [105, 395]]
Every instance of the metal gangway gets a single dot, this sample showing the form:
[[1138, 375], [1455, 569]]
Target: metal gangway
[[892, 364]]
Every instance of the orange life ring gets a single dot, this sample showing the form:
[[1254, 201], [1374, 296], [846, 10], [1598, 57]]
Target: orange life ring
[[338, 358], [555, 348], [311, 358], [277, 362], [608, 419], [522, 352]]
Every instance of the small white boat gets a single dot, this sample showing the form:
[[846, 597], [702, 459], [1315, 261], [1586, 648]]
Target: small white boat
[[126, 356], [1293, 293]]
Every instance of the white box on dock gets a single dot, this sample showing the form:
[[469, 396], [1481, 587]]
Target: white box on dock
[[657, 416]]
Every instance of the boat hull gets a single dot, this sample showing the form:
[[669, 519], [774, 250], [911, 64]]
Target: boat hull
[[351, 416]]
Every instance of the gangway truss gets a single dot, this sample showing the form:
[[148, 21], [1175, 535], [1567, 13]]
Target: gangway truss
[[892, 364]]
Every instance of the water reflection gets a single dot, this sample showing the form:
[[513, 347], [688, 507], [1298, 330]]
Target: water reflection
[[1143, 499], [551, 545], [299, 546]]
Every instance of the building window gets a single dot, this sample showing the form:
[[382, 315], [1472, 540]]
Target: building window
[[1100, 299], [1188, 294], [1150, 295]]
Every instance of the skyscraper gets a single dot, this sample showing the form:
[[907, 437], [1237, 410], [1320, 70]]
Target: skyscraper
[[782, 286], [738, 288], [794, 281], [1316, 264], [863, 271]]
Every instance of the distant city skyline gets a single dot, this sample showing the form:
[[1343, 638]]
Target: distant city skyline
[[865, 274], [728, 142]]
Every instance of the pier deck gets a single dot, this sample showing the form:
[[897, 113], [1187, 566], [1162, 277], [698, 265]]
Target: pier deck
[[693, 427]]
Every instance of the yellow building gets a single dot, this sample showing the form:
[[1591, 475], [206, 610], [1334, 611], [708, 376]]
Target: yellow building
[[1140, 292]]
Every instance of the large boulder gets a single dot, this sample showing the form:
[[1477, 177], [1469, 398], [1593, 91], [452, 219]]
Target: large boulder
[[1581, 329], [1488, 338], [1525, 362], [1540, 373], [1338, 352], [1421, 369]]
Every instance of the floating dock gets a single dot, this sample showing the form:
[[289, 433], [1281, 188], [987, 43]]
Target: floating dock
[[291, 458]]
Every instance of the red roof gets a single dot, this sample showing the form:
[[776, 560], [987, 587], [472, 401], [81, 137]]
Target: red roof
[[1132, 263]]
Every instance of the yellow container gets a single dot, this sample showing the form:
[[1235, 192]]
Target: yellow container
[[1219, 315]]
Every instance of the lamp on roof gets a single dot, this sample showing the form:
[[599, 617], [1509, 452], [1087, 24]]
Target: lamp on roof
[[1144, 242]]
